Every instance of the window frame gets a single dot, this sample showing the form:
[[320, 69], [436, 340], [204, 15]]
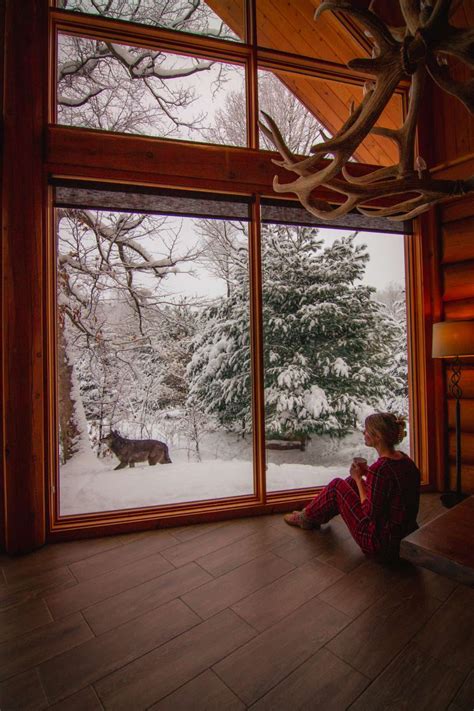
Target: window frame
[[65, 144]]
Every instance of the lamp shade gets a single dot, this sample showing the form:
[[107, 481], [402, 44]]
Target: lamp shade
[[453, 338]]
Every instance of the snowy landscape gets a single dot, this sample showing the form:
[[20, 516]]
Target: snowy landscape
[[89, 484], [154, 310], [173, 362]]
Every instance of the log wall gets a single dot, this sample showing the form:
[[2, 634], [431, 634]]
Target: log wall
[[457, 276]]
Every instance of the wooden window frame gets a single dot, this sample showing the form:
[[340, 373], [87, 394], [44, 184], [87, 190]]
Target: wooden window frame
[[79, 154]]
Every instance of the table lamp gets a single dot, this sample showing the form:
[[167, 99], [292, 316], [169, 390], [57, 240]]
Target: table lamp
[[454, 339]]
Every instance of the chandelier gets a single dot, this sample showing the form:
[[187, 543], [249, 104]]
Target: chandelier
[[417, 50]]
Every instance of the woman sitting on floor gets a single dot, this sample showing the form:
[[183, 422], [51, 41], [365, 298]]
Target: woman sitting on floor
[[379, 504]]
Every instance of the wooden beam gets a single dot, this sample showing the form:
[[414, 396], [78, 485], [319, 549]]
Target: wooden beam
[[22, 237], [138, 160]]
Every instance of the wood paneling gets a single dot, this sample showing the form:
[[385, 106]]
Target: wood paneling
[[457, 273], [458, 240], [467, 446], [459, 281], [467, 414], [459, 310], [467, 477], [452, 144], [22, 266], [330, 101]]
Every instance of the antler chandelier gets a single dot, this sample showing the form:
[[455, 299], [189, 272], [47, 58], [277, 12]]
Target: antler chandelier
[[416, 50]]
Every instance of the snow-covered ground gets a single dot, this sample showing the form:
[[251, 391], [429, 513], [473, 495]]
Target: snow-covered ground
[[104, 489], [88, 484]]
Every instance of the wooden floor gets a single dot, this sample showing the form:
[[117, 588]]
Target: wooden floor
[[242, 614]]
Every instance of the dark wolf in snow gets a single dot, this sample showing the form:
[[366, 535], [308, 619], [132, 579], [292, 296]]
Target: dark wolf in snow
[[130, 451]]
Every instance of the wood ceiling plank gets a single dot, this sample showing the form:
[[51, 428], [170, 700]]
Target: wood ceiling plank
[[316, 95], [330, 101], [302, 34]]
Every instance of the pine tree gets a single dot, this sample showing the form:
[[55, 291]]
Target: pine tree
[[327, 342], [396, 399], [220, 366]]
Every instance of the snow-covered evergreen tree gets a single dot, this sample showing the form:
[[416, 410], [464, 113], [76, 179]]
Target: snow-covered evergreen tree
[[394, 300], [220, 368], [328, 343]]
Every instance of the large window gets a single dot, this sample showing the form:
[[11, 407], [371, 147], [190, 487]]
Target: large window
[[178, 15], [213, 347], [335, 345], [155, 355], [114, 87]]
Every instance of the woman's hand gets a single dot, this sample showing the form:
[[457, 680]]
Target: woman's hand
[[356, 472]]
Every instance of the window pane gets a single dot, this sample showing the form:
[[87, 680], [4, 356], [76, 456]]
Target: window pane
[[298, 126], [202, 18], [113, 87], [153, 344], [301, 105], [335, 347]]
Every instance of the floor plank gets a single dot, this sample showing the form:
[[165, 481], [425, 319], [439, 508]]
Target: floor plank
[[209, 542], [294, 619], [31, 649], [204, 693], [215, 596], [263, 662], [119, 556], [242, 551], [84, 700], [164, 670], [449, 635], [129, 604], [58, 555], [371, 641], [23, 618], [322, 682], [414, 680], [101, 655], [32, 586], [464, 699], [88, 592], [24, 692], [278, 599], [356, 591]]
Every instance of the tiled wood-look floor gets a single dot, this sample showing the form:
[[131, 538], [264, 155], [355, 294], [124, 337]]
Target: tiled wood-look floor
[[242, 614]]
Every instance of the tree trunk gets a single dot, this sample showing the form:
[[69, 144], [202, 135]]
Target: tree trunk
[[69, 432]]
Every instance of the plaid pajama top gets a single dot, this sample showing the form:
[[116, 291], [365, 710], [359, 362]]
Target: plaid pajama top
[[393, 496]]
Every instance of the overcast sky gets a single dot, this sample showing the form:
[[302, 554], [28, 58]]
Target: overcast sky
[[386, 265]]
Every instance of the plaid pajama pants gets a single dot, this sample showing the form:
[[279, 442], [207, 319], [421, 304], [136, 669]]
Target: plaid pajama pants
[[341, 496]]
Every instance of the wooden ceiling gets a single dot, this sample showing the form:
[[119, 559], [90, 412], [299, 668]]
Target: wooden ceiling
[[289, 26]]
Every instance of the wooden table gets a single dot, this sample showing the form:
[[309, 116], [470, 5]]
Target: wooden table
[[445, 544]]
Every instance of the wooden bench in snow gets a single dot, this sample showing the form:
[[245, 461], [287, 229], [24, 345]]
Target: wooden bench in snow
[[445, 544], [285, 444]]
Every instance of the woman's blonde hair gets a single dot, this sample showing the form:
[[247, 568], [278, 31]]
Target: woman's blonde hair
[[390, 428]]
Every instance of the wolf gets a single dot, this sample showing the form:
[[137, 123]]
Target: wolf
[[130, 451]]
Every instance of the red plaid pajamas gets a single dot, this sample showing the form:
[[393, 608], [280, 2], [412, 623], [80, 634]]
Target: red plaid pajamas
[[386, 516]]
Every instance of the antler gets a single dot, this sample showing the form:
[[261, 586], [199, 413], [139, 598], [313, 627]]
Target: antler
[[418, 50]]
